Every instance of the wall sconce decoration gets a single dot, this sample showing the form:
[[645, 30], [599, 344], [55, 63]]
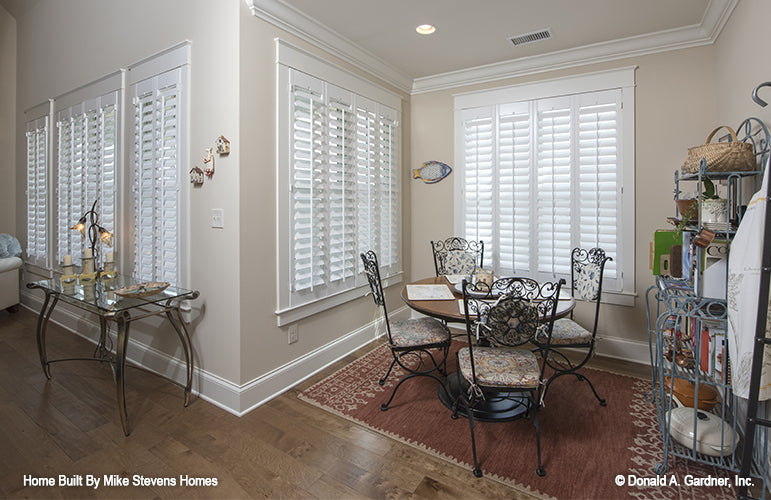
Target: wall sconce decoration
[[223, 145], [89, 223], [196, 176], [208, 157]]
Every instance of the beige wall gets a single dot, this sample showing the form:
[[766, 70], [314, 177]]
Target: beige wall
[[742, 62], [7, 123], [671, 91], [63, 45], [263, 345]]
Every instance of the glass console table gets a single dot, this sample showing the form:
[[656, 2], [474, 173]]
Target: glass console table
[[98, 296]]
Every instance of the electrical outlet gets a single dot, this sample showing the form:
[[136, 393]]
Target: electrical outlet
[[292, 333], [218, 218]]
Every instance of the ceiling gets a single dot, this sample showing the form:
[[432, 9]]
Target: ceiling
[[475, 33]]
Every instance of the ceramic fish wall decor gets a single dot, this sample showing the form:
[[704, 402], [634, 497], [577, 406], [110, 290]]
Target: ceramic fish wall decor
[[432, 172]]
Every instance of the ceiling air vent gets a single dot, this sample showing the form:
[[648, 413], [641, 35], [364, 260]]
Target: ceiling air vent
[[535, 36]]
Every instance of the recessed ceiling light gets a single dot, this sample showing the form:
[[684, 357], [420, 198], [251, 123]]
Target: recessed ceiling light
[[425, 29]]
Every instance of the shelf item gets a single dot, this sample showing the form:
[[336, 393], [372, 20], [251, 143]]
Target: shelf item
[[710, 434], [685, 390], [143, 289]]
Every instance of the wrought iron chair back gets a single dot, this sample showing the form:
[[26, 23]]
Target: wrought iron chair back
[[445, 249], [586, 273], [372, 270]]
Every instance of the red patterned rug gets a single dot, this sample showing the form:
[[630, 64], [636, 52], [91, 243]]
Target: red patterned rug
[[586, 448]]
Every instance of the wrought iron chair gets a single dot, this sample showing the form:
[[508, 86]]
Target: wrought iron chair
[[587, 268], [410, 340], [457, 256], [494, 366]]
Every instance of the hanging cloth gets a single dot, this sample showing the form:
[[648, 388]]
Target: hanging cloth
[[744, 264]]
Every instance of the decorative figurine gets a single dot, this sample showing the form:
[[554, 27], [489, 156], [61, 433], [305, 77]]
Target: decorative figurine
[[209, 158], [431, 172], [196, 176], [223, 145]]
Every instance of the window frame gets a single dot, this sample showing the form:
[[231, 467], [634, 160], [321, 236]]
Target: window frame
[[35, 117], [622, 79], [290, 58]]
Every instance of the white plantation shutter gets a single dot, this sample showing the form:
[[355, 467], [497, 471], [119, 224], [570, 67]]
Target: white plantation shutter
[[599, 177], [341, 156], [86, 145], [339, 164], [553, 187], [156, 176], [388, 188], [37, 183], [309, 185], [513, 190], [479, 171], [542, 177], [366, 172]]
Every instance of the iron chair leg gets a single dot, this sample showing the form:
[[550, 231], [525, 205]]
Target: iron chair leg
[[573, 370], [540, 470]]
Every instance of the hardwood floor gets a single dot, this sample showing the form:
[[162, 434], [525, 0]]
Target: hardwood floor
[[69, 426]]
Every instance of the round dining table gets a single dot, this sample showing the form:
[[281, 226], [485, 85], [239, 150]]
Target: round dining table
[[503, 405]]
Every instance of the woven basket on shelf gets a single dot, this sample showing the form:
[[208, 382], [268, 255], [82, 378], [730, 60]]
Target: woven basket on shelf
[[733, 156]]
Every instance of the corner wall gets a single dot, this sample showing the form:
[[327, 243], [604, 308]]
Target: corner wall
[[8, 123]]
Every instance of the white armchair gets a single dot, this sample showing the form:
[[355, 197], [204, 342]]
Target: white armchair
[[9, 283]]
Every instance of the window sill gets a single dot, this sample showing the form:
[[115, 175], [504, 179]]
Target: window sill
[[293, 314]]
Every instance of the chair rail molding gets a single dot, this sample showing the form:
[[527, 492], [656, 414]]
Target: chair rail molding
[[286, 17]]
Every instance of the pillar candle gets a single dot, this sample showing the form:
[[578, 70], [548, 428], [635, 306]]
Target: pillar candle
[[88, 253], [67, 260], [108, 257]]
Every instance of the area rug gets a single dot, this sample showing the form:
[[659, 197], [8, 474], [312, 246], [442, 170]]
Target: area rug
[[589, 451]]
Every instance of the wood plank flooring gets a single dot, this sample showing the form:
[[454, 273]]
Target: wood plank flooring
[[284, 449]]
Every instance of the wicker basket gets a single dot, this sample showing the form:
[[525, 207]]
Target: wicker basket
[[733, 156]]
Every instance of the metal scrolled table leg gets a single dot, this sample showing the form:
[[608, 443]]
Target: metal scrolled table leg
[[42, 325], [184, 338], [123, 320]]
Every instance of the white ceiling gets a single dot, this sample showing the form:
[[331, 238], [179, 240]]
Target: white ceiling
[[475, 32], [381, 35]]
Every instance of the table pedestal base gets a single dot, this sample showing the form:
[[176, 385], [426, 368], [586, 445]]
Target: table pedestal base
[[496, 407]]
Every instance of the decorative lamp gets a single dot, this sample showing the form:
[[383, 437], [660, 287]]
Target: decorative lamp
[[89, 223]]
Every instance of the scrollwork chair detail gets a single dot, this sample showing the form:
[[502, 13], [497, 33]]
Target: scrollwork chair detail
[[456, 255], [411, 340], [587, 269], [495, 364]]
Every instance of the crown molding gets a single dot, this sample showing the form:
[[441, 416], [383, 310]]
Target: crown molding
[[704, 33], [297, 23]]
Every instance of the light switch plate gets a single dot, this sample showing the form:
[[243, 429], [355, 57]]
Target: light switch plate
[[292, 333], [218, 218]]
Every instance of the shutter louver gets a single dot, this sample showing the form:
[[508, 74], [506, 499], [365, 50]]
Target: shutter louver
[[366, 171]]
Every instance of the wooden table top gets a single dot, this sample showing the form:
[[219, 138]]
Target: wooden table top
[[448, 310]]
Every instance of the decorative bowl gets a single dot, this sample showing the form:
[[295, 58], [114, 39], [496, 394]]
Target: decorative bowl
[[142, 289]]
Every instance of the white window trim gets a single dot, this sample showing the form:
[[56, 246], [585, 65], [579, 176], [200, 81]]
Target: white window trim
[[43, 111], [289, 56], [620, 78]]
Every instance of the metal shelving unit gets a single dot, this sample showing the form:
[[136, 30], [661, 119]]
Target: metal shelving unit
[[676, 306]]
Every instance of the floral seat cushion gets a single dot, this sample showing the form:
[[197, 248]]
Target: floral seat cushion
[[417, 332], [568, 332], [459, 262], [587, 284], [501, 367]]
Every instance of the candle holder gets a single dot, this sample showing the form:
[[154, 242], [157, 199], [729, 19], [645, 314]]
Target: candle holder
[[68, 273]]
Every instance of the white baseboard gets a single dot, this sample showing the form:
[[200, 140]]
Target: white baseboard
[[625, 349], [233, 398]]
